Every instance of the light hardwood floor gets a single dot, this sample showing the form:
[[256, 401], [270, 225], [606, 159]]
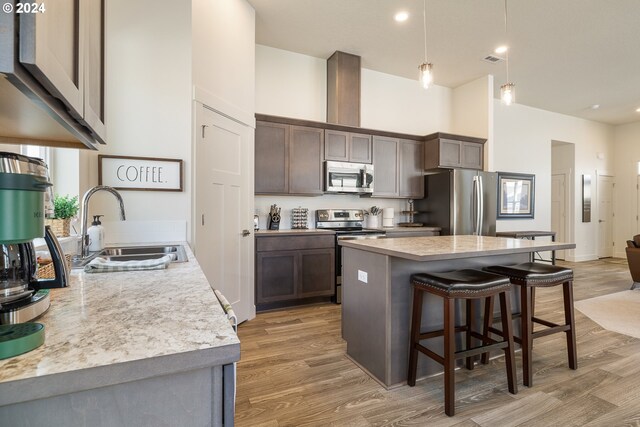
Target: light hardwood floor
[[293, 372]]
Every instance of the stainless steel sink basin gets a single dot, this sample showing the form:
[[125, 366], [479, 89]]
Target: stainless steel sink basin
[[134, 253], [143, 250]]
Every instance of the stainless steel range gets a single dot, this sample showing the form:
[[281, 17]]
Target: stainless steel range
[[347, 223]]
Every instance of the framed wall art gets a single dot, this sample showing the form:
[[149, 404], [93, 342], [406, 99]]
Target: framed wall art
[[140, 173], [516, 195]]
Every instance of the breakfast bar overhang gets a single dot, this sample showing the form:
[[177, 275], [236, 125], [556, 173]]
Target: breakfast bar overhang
[[376, 304]]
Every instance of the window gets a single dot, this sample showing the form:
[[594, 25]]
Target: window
[[43, 153]]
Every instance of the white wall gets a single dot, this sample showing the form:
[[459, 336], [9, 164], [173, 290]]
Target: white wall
[[398, 104], [148, 111], [626, 158], [522, 143], [472, 113], [224, 56], [472, 108], [290, 84], [294, 85], [327, 201]]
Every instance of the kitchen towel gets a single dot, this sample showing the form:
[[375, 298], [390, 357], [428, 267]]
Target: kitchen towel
[[102, 265]]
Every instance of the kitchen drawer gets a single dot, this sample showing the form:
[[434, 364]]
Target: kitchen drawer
[[291, 243]]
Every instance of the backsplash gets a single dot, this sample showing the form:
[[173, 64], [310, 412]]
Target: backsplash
[[327, 201], [144, 231]]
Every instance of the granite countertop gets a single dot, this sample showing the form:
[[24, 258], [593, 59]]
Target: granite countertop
[[452, 247], [308, 231], [397, 229], [108, 328]]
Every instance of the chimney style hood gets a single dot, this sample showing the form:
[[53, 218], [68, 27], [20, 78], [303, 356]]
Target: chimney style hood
[[343, 89]]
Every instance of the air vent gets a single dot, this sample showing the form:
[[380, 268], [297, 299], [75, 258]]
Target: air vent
[[492, 58]]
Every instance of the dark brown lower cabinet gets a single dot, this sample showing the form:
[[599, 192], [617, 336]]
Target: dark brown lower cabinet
[[291, 270], [278, 271]]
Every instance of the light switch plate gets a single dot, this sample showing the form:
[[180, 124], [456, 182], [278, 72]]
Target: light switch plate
[[362, 276]]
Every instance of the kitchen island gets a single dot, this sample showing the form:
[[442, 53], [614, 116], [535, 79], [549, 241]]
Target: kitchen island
[[376, 303], [127, 348]]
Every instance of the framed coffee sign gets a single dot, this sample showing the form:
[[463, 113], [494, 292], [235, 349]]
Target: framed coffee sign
[[140, 173]]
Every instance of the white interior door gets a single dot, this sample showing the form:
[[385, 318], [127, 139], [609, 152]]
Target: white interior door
[[605, 216], [224, 206], [558, 210]]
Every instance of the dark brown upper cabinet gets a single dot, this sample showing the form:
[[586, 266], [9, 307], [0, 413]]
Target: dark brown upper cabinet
[[288, 159], [411, 174], [271, 158], [306, 150], [386, 152], [54, 63], [442, 150], [347, 146], [398, 168]]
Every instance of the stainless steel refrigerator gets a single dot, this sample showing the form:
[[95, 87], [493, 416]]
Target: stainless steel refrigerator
[[460, 201]]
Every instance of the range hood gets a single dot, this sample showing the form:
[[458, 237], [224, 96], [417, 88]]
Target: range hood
[[343, 89]]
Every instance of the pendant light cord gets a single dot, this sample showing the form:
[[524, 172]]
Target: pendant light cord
[[506, 35], [424, 22]]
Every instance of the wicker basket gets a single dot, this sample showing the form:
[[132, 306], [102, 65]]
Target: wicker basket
[[47, 271], [60, 227]]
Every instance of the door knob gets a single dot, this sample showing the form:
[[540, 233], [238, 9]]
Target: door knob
[[245, 233]]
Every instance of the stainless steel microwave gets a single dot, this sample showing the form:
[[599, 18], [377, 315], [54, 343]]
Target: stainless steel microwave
[[344, 177]]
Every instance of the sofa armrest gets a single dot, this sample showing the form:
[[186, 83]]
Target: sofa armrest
[[633, 258]]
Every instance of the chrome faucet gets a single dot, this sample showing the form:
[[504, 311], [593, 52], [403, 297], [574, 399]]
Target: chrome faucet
[[84, 245]]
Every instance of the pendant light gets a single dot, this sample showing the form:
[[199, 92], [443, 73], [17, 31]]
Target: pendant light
[[426, 75], [507, 90]]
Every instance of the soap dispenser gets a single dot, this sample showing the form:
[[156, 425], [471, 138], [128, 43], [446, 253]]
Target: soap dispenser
[[96, 235]]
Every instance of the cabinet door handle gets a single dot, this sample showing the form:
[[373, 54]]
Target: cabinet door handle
[[245, 233]]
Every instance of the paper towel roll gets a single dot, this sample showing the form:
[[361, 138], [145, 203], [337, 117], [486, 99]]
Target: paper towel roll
[[387, 213]]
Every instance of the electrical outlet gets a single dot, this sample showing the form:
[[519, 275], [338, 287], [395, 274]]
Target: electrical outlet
[[362, 276]]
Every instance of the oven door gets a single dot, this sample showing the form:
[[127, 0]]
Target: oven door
[[356, 235], [343, 177]]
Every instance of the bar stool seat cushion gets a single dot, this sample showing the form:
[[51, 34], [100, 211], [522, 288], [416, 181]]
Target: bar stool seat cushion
[[461, 282], [534, 272]]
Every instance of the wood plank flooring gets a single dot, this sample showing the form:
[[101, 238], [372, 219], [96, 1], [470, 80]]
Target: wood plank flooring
[[293, 372]]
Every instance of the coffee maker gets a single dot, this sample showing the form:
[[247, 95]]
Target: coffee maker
[[25, 199]]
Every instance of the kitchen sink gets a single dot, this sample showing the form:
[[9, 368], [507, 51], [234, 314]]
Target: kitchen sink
[[134, 253], [143, 250]]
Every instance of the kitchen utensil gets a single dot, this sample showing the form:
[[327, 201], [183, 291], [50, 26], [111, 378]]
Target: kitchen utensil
[[273, 221]]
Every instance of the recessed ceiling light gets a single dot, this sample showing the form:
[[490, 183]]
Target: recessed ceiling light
[[501, 49], [401, 16], [637, 110], [595, 106]]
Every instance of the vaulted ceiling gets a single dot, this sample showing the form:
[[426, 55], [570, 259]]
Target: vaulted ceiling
[[565, 55]]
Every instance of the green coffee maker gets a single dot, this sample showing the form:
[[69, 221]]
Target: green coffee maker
[[25, 200]]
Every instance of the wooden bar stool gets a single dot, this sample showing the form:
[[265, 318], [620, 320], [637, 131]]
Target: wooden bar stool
[[468, 285], [529, 276]]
